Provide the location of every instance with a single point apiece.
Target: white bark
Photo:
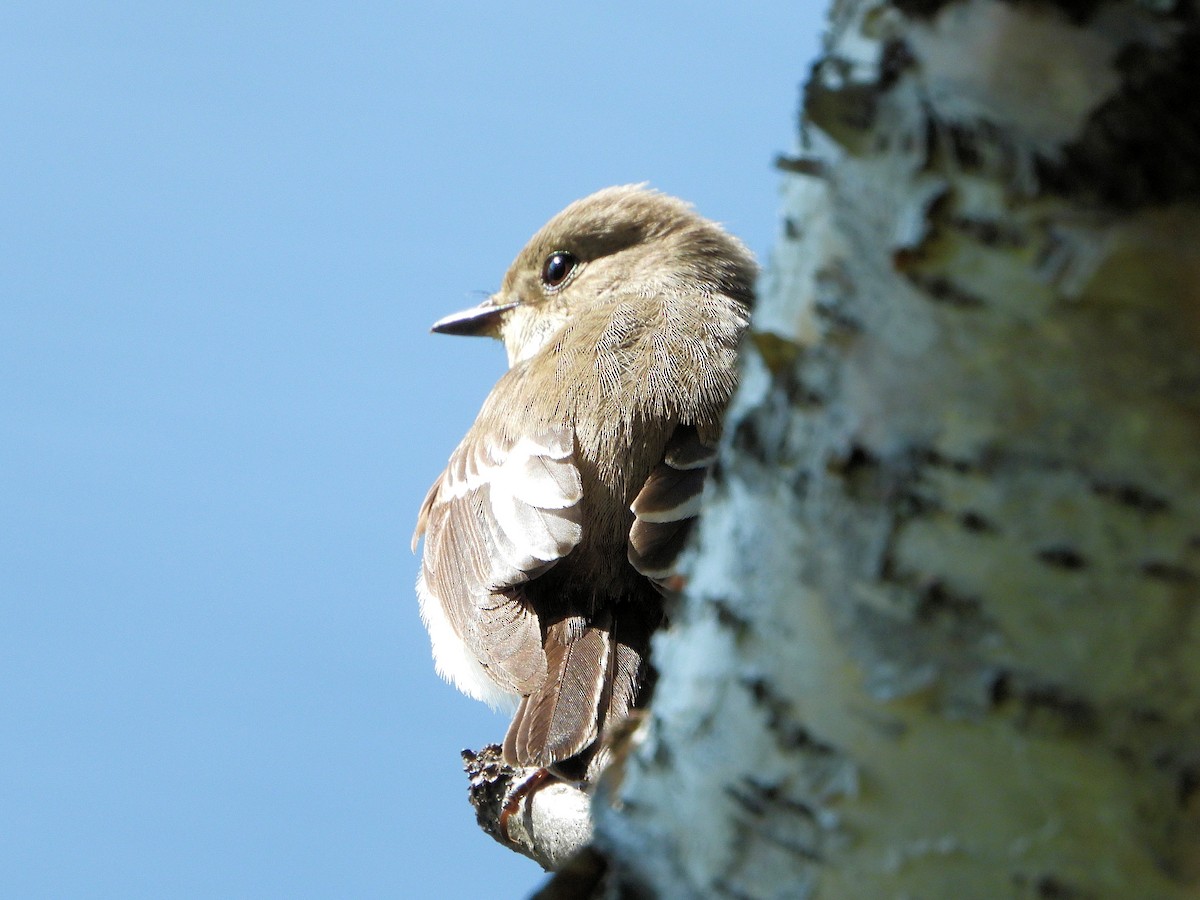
(941, 636)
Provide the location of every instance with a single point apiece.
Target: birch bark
(941, 635)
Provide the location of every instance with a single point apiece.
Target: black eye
(559, 265)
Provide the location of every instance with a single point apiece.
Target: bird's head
(616, 241)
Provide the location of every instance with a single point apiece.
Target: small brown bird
(551, 534)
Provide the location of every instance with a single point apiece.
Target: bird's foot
(522, 791)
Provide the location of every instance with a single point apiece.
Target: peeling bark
(940, 638)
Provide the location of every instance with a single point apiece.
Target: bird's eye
(559, 265)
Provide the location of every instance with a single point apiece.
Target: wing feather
(503, 512)
(667, 506)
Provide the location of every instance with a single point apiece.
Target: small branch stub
(551, 823)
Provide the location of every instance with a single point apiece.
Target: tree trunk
(941, 634)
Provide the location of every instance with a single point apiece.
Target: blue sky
(226, 229)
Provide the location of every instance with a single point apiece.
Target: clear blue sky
(224, 231)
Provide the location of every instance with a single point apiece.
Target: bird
(551, 538)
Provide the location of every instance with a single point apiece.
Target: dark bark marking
(758, 797)
(920, 9)
(748, 441)
(777, 352)
(853, 463)
(1063, 557)
(1050, 887)
(989, 233)
(1142, 146)
(1079, 12)
(802, 165)
(1130, 495)
(830, 306)
(845, 110)
(976, 523)
(781, 721)
(1187, 788)
(761, 800)
(911, 504)
(943, 291)
(1001, 689)
(1166, 571)
(894, 60)
(1073, 714)
(729, 618)
(716, 473)
(936, 600)
(930, 456)
(860, 471)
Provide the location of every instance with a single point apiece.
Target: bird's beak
(478, 321)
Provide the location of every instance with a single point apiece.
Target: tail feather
(596, 672)
(560, 719)
(626, 685)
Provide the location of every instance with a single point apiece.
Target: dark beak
(479, 321)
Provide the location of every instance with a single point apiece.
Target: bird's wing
(667, 505)
(596, 665)
(504, 511)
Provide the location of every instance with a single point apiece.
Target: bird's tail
(595, 673)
